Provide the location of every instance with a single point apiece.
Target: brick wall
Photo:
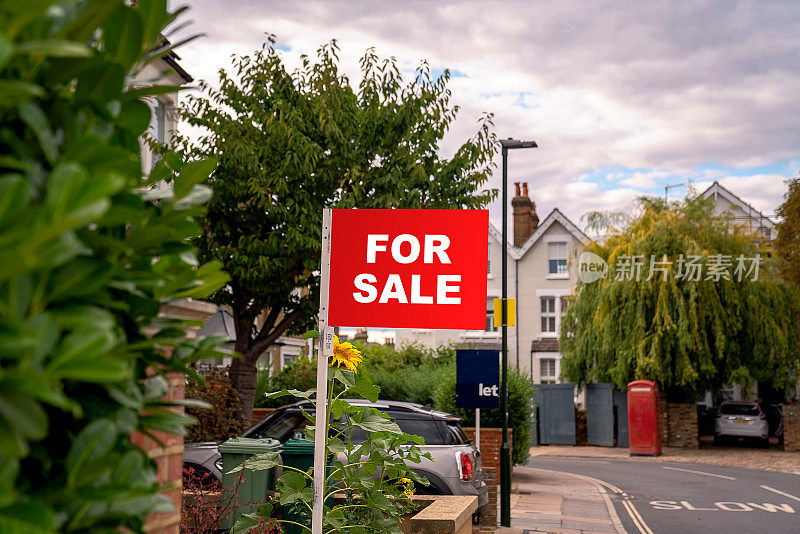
(491, 439)
(791, 427)
(170, 465)
(678, 425)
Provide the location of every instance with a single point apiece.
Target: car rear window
(282, 428)
(427, 428)
(739, 409)
(459, 437)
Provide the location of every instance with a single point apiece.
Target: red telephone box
(644, 435)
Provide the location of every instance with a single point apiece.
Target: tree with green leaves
(87, 262)
(688, 335)
(292, 143)
(787, 244)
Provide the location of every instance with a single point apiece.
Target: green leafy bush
(222, 419)
(301, 375)
(410, 374)
(86, 263)
(520, 409)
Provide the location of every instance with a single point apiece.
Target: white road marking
(779, 492)
(698, 472)
(724, 506)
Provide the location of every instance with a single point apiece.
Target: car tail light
(719, 414)
(762, 416)
(464, 466)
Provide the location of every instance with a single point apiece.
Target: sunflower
(345, 354)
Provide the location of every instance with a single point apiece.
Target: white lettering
(373, 247)
(363, 283)
(665, 505)
(393, 290)
(398, 241)
(416, 296)
(441, 244)
(767, 507)
(727, 506)
(690, 507)
(442, 289)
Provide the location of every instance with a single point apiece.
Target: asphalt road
(656, 497)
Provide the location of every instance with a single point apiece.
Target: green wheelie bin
(252, 490)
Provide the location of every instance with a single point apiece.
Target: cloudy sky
(623, 98)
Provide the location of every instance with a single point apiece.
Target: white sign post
(478, 428)
(325, 350)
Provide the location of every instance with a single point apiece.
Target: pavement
(734, 456)
(549, 501)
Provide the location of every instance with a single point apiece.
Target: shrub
(88, 260)
(301, 375)
(222, 420)
(520, 409)
(410, 374)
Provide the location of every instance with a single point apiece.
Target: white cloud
(662, 87)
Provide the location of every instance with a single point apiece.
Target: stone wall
(491, 439)
(170, 465)
(678, 424)
(791, 427)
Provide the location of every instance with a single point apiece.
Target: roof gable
(552, 217)
(717, 189)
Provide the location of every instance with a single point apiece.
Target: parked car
(454, 470)
(741, 419)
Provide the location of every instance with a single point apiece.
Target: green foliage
(690, 336)
(86, 263)
(220, 418)
(520, 409)
(787, 244)
(301, 374)
(370, 471)
(411, 374)
(291, 144)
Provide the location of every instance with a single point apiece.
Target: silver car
(455, 469)
(741, 419)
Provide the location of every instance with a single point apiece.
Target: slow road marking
(723, 506)
(699, 473)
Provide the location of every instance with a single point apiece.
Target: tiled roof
(547, 344)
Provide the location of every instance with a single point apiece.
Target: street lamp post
(505, 453)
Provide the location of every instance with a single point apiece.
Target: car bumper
(742, 430)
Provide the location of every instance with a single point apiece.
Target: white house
(743, 214)
(541, 276)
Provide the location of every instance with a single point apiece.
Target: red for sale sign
(408, 268)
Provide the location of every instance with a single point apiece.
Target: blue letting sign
(477, 379)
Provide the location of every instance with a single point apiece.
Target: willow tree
(787, 244)
(688, 333)
(292, 143)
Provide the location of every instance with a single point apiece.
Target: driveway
(663, 497)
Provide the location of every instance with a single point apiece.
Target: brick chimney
(525, 219)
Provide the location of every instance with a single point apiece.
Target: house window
(764, 231)
(548, 314)
(288, 359)
(490, 327)
(489, 258)
(158, 128)
(557, 258)
(547, 370)
(566, 300)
